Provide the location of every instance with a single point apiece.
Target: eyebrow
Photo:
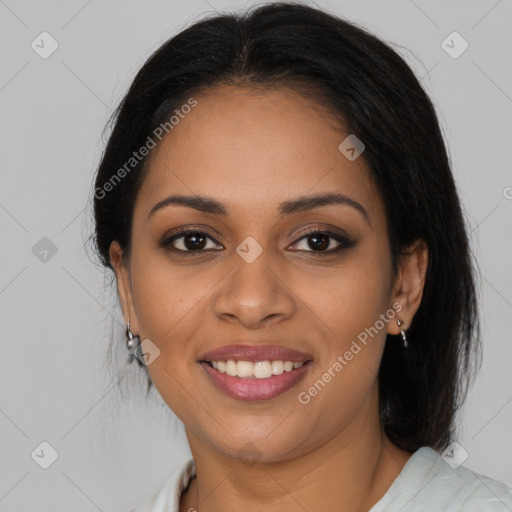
(301, 204)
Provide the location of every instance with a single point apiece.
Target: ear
(124, 285)
(409, 284)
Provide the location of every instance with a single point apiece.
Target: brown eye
(319, 241)
(323, 241)
(194, 241)
(189, 240)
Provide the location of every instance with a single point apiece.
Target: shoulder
(469, 491)
(430, 482)
(168, 495)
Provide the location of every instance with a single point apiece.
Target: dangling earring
(131, 342)
(402, 332)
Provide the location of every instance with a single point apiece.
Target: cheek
(163, 290)
(353, 303)
(350, 303)
(351, 298)
(170, 300)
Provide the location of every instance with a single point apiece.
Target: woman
(277, 204)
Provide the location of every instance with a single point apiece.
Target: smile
(252, 372)
(262, 380)
(259, 369)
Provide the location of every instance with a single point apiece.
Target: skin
(252, 151)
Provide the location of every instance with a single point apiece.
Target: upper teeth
(260, 369)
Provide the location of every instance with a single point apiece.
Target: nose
(254, 294)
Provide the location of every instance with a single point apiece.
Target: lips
(250, 388)
(255, 353)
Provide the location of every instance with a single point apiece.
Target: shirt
(427, 483)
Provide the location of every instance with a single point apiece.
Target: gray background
(57, 315)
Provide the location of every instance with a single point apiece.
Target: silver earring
(131, 342)
(402, 332)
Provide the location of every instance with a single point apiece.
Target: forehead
(253, 149)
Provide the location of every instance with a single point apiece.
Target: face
(251, 272)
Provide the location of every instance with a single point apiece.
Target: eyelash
(345, 242)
